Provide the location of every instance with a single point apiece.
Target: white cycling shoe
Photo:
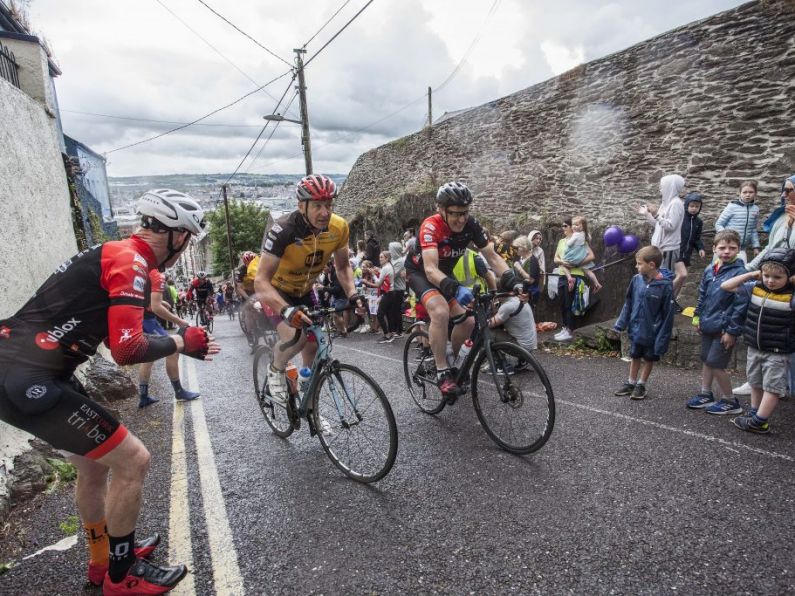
(277, 387)
(744, 389)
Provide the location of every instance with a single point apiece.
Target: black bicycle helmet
(782, 256)
(454, 193)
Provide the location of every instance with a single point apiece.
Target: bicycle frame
(323, 360)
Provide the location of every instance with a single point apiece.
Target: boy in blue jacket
(648, 315)
(719, 317)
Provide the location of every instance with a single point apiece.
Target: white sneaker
(277, 387)
(744, 389)
(564, 335)
(325, 428)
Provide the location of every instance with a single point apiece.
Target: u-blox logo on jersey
(48, 340)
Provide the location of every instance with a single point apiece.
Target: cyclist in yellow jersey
(294, 252)
(244, 285)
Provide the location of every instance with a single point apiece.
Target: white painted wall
(35, 218)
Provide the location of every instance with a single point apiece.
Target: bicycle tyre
(422, 387)
(210, 324)
(535, 429)
(276, 416)
(368, 420)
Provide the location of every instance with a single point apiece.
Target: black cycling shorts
(58, 412)
(305, 300)
(423, 289)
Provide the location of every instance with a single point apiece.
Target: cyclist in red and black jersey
(442, 240)
(96, 296)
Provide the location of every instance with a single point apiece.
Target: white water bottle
(304, 376)
(466, 348)
(449, 356)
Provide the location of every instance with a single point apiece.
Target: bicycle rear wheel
(354, 423)
(210, 324)
(419, 370)
(276, 416)
(521, 420)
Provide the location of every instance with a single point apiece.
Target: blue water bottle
(304, 376)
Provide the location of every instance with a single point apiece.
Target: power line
(230, 23)
(256, 157)
(344, 4)
(212, 47)
(471, 47)
(250, 149)
(345, 26)
(199, 119)
(158, 121)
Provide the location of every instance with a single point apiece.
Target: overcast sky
(152, 60)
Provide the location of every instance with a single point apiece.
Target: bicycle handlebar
(318, 316)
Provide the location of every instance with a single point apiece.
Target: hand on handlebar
(296, 316)
(464, 296)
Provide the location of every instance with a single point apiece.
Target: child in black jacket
(692, 226)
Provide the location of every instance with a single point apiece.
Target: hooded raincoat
(668, 221)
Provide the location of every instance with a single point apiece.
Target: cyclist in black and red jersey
(202, 290)
(442, 240)
(96, 296)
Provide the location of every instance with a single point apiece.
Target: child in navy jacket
(692, 226)
(648, 315)
(719, 317)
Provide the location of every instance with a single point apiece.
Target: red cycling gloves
(196, 341)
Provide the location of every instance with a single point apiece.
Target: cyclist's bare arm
(342, 263)
(241, 290)
(430, 262)
(159, 308)
(495, 261)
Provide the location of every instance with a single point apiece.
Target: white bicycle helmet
(171, 209)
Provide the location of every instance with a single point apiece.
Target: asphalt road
(626, 497)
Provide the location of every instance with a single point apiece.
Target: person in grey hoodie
(742, 216)
(667, 219)
(398, 290)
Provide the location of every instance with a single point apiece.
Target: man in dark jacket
(692, 226)
(372, 248)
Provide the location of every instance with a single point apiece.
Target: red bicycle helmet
(247, 257)
(316, 187)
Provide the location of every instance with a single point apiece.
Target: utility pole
(228, 232)
(299, 66)
(430, 115)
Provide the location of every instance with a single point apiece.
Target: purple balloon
(628, 244)
(613, 236)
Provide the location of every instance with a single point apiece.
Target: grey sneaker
(277, 387)
(639, 392)
(625, 389)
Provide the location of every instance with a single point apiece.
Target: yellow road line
(226, 572)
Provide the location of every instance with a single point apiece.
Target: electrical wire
(259, 136)
(345, 26)
(471, 47)
(231, 24)
(157, 121)
(331, 18)
(229, 105)
(256, 157)
(212, 47)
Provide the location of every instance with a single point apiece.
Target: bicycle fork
(340, 398)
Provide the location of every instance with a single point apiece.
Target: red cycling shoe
(145, 579)
(143, 548)
(450, 390)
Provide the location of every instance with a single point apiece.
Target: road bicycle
(204, 317)
(511, 392)
(343, 406)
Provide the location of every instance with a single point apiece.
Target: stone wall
(711, 101)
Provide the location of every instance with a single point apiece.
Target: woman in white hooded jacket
(667, 219)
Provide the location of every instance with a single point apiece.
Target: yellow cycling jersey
(302, 254)
(247, 273)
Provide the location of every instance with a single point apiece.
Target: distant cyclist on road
(294, 252)
(443, 239)
(202, 290)
(99, 295)
(244, 285)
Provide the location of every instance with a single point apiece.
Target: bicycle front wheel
(275, 415)
(355, 423)
(519, 417)
(419, 370)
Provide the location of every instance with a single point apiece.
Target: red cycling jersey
(435, 233)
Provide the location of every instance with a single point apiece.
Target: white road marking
(179, 542)
(226, 572)
(61, 545)
(689, 433)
